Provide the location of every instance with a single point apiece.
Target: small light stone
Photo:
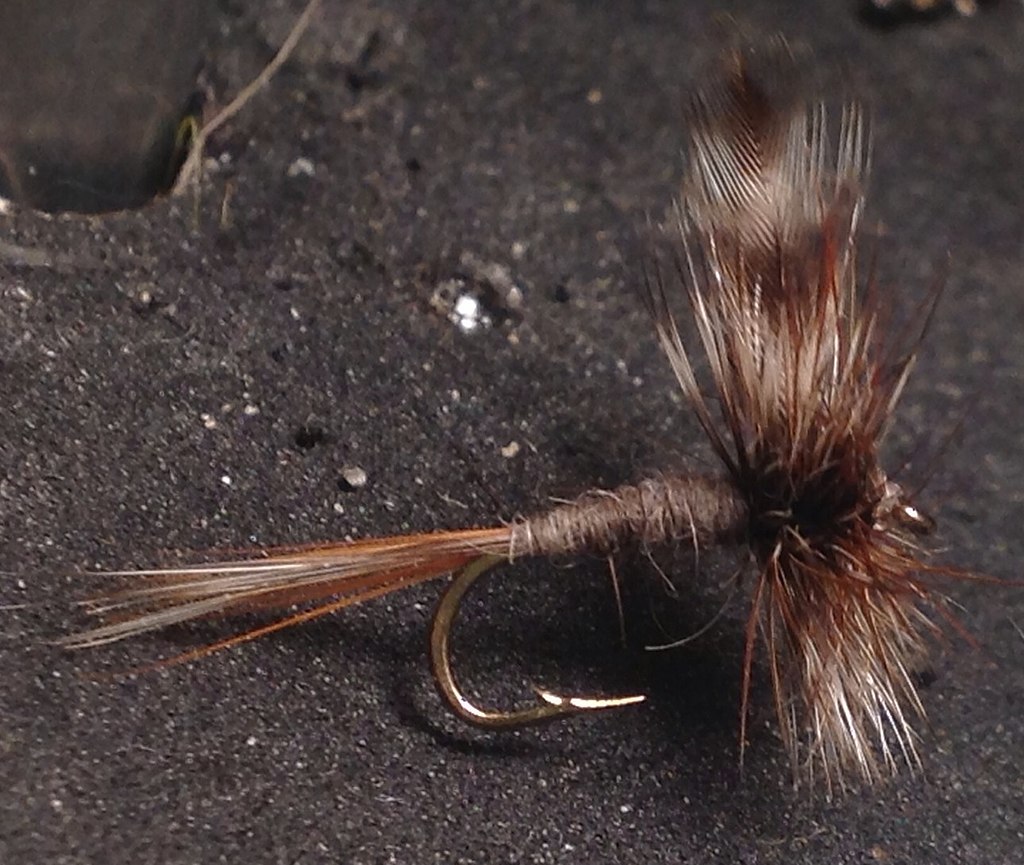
(354, 477)
(468, 314)
(302, 166)
(514, 297)
(510, 450)
(467, 306)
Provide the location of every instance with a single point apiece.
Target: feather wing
(765, 246)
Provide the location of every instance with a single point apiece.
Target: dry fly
(793, 377)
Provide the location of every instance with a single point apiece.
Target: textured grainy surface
(155, 360)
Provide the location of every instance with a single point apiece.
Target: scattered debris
(468, 314)
(1017, 628)
(190, 169)
(353, 478)
(15, 255)
(303, 167)
(510, 450)
(482, 295)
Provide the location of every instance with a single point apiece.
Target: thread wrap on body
(655, 511)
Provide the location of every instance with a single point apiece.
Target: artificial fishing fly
(801, 382)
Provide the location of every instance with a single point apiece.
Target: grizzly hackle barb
(797, 381)
(805, 386)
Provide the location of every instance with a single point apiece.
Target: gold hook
(553, 705)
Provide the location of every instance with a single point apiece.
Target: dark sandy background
(170, 383)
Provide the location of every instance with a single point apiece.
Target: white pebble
(354, 476)
(302, 166)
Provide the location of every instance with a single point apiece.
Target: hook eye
(915, 520)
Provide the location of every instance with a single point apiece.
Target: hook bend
(552, 705)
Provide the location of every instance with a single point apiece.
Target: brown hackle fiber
(796, 385)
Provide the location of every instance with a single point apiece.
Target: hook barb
(552, 705)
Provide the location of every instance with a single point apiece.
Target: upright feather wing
(804, 385)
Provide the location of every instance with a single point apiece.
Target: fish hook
(552, 705)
